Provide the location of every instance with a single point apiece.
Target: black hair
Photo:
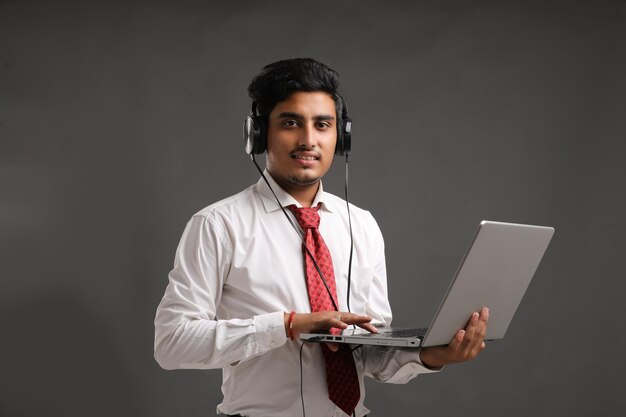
(277, 81)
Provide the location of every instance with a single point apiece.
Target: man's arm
(187, 331)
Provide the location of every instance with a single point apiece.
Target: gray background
(119, 120)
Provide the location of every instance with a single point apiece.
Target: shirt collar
(269, 202)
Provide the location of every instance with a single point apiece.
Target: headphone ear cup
(339, 144)
(254, 135)
(344, 137)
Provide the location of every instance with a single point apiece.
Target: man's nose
(308, 136)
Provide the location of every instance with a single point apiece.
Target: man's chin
(304, 181)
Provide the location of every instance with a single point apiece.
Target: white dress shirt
(238, 268)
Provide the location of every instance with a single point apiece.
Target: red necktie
(341, 375)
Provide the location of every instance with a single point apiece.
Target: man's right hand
(322, 321)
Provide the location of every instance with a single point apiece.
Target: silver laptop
(495, 272)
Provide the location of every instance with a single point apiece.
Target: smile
(305, 157)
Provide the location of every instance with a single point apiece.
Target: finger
(352, 318)
(481, 331)
(369, 327)
(470, 328)
(338, 323)
(455, 344)
(481, 326)
(484, 318)
(476, 331)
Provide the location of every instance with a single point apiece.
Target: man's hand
(466, 345)
(324, 320)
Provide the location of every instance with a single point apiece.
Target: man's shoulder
(359, 217)
(237, 203)
(338, 203)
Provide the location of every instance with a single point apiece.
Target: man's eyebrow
(323, 117)
(292, 115)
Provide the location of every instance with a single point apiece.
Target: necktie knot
(308, 217)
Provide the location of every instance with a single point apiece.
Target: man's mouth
(305, 157)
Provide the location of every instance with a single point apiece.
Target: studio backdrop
(120, 120)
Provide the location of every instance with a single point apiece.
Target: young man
(244, 283)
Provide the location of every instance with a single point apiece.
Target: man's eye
(323, 125)
(290, 123)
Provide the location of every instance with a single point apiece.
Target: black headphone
(255, 132)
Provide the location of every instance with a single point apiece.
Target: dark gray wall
(119, 120)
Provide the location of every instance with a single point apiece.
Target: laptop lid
(495, 272)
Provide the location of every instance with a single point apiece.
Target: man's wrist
(429, 360)
(289, 325)
(290, 332)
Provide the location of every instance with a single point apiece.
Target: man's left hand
(466, 345)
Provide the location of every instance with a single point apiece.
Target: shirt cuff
(270, 329)
(411, 368)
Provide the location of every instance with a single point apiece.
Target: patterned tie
(341, 375)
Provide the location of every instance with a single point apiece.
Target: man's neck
(303, 194)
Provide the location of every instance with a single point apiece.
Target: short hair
(277, 81)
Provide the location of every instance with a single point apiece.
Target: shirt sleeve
(187, 332)
(392, 365)
(386, 364)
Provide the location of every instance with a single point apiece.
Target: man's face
(301, 138)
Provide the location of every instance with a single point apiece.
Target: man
(241, 288)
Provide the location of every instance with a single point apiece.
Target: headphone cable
(301, 383)
(351, 240)
(300, 233)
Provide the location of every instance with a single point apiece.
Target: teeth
(305, 158)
